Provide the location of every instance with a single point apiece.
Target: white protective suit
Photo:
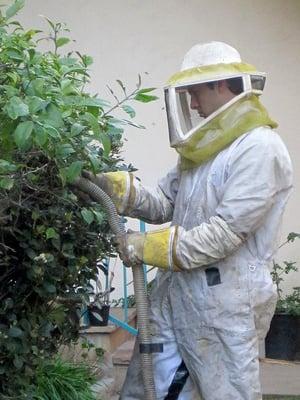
(211, 316)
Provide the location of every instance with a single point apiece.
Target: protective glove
(118, 185)
(130, 247)
(151, 248)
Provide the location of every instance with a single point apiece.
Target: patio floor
(281, 378)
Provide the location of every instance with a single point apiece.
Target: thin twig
(35, 170)
(128, 97)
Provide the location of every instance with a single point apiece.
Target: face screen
(182, 117)
(190, 107)
(187, 109)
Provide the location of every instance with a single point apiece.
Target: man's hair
(235, 85)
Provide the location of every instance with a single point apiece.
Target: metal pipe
(142, 306)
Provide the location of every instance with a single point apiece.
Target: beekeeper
(213, 297)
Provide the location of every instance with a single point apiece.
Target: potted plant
(282, 339)
(99, 305)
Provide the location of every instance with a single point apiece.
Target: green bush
(61, 380)
(286, 304)
(50, 244)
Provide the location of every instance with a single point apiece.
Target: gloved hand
(131, 247)
(151, 248)
(115, 184)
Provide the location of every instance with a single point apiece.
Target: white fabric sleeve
(259, 175)
(259, 172)
(204, 244)
(155, 205)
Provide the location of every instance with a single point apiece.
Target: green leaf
(36, 104)
(49, 22)
(87, 60)
(36, 87)
(51, 131)
(32, 32)
(14, 8)
(80, 101)
(6, 166)
(129, 110)
(101, 136)
(15, 54)
(292, 236)
(95, 163)
(64, 150)
(76, 129)
(68, 87)
(114, 131)
(62, 41)
(51, 233)
(52, 116)
(122, 85)
(49, 287)
(93, 123)
(58, 315)
(74, 170)
(10, 90)
(87, 215)
(144, 98)
(35, 215)
(40, 136)
(133, 124)
(78, 70)
(106, 142)
(7, 183)
(100, 217)
(9, 303)
(16, 108)
(18, 362)
(15, 332)
(23, 133)
(146, 90)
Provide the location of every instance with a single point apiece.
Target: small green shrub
(289, 304)
(61, 380)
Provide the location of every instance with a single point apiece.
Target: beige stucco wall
(127, 37)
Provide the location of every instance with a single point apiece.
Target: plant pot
(281, 340)
(98, 316)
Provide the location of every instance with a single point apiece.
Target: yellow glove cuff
(122, 189)
(157, 247)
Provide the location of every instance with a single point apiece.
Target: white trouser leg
(165, 365)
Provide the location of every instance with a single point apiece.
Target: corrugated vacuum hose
(146, 347)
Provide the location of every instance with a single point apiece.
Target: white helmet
(210, 54)
(204, 63)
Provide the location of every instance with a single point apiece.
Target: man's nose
(194, 102)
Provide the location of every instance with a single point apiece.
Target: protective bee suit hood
(197, 137)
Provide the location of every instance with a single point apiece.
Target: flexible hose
(142, 306)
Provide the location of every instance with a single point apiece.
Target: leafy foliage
(61, 380)
(130, 300)
(50, 244)
(290, 304)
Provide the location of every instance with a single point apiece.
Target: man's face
(204, 100)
